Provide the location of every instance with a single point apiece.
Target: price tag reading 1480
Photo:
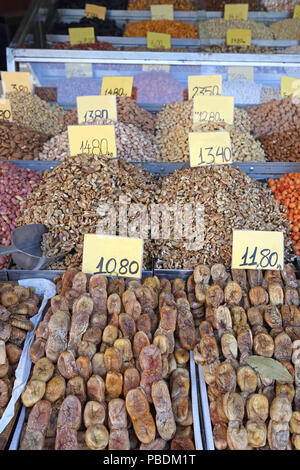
(257, 250)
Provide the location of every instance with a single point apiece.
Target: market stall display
(249, 319)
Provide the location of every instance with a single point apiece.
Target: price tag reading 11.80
(209, 148)
(204, 85)
(257, 250)
(120, 86)
(16, 81)
(93, 140)
(112, 255)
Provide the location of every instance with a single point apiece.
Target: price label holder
(290, 86)
(120, 86)
(204, 85)
(296, 12)
(236, 12)
(238, 37)
(240, 74)
(162, 12)
(156, 67)
(76, 69)
(95, 11)
(81, 36)
(112, 255)
(16, 81)
(94, 140)
(158, 40)
(209, 148)
(5, 109)
(90, 108)
(213, 109)
(257, 250)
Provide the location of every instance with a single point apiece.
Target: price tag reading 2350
(209, 148)
(112, 255)
(93, 140)
(257, 250)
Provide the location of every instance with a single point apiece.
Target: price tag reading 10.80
(257, 250)
(112, 256)
(119, 86)
(94, 140)
(209, 148)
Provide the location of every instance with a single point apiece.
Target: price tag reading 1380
(112, 255)
(257, 250)
(209, 148)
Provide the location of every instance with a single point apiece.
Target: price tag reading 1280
(257, 250)
(209, 148)
(112, 255)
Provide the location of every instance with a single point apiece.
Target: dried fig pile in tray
(249, 350)
(111, 367)
(17, 305)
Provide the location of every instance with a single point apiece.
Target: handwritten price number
(5, 114)
(111, 267)
(115, 91)
(238, 77)
(98, 147)
(157, 44)
(204, 116)
(267, 259)
(238, 41)
(20, 88)
(206, 91)
(95, 114)
(224, 152)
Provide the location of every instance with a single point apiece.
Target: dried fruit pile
(17, 305)
(286, 190)
(105, 351)
(20, 143)
(177, 29)
(249, 352)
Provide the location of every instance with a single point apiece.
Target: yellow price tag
(213, 109)
(257, 250)
(236, 12)
(93, 140)
(290, 86)
(158, 40)
(82, 36)
(5, 109)
(120, 86)
(162, 12)
(204, 85)
(16, 81)
(94, 11)
(296, 11)
(209, 148)
(238, 37)
(90, 108)
(240, 74)
(112, 255)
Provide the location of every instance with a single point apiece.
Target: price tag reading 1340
(93, 140)
(257, 250)
(112, 255)
(209, 148)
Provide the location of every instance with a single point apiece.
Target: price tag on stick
(204, 85)
(236, 12)
(120, 86)
(90, 108)
(238, 37)
(5, 109)
(209, 148)
(93, 140)
(257, 250)
(158, 40)
(82, 36)
(213, 109)
(16, 81)
(112, 255)
(162, 12)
